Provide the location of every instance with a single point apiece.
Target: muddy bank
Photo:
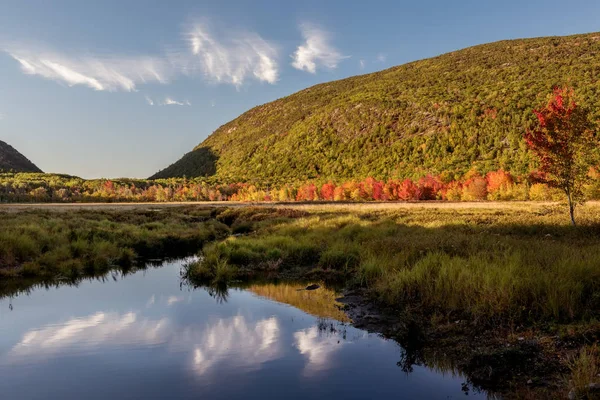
(508, 363)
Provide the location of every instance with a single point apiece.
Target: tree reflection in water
(220, 292)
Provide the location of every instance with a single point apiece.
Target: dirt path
(353, 206)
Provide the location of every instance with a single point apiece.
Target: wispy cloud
(316, 51)
(229, 57)
(105, 73)
(226, 57)
(168, 101)
(381, 57)
(361, 64)
(172, 102)
(1, 116)
(174, 299)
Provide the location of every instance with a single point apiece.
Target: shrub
(475, 189)
(453, 191)
(542, 192)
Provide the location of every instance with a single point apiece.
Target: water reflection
(219, 292)
(152, 338)
(317, 348)
(320, 303)
(88, 333)
(250, 343)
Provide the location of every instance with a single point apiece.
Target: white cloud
(172, 102)
(224, 58)
(103, 73)
(252, 343)
(248, 343)
(381, 58)
(361, 63)
(149, 101)
(91, 331)
(318, 348)
(229, 58)
(174, 299)
(316, 51)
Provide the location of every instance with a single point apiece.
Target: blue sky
(124, 88)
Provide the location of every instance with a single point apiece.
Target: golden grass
(518, 264)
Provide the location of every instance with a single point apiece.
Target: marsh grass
(43, 244)
(509, 266)
(212, 268)
(512, 265)
(584, 368)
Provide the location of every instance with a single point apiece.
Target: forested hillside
(13, 161)
(443, 116)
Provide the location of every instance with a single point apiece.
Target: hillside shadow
(198, 162)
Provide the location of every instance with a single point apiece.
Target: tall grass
(584, 368)
(47, 245)
(492, 266)
(212, 268)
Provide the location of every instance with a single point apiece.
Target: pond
(147, 336)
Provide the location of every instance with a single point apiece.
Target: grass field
(42, 244)
(512, 265)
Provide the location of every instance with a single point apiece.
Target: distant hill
(444, 115)
(13, 161)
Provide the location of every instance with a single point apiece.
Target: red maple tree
(565, 142)
(327, 191)
(407, 190)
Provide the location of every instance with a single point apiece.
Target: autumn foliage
(474, 186)
(565, 143)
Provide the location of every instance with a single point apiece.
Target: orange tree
(565, 142)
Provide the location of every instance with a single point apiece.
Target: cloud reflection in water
(235, 339)
(250, 344)
(317, 347)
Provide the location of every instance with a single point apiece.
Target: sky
(113, 88)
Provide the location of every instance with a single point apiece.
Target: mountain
(444, 115)
(13, 161)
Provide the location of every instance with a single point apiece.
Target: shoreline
(316, 205)
(522, 364)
